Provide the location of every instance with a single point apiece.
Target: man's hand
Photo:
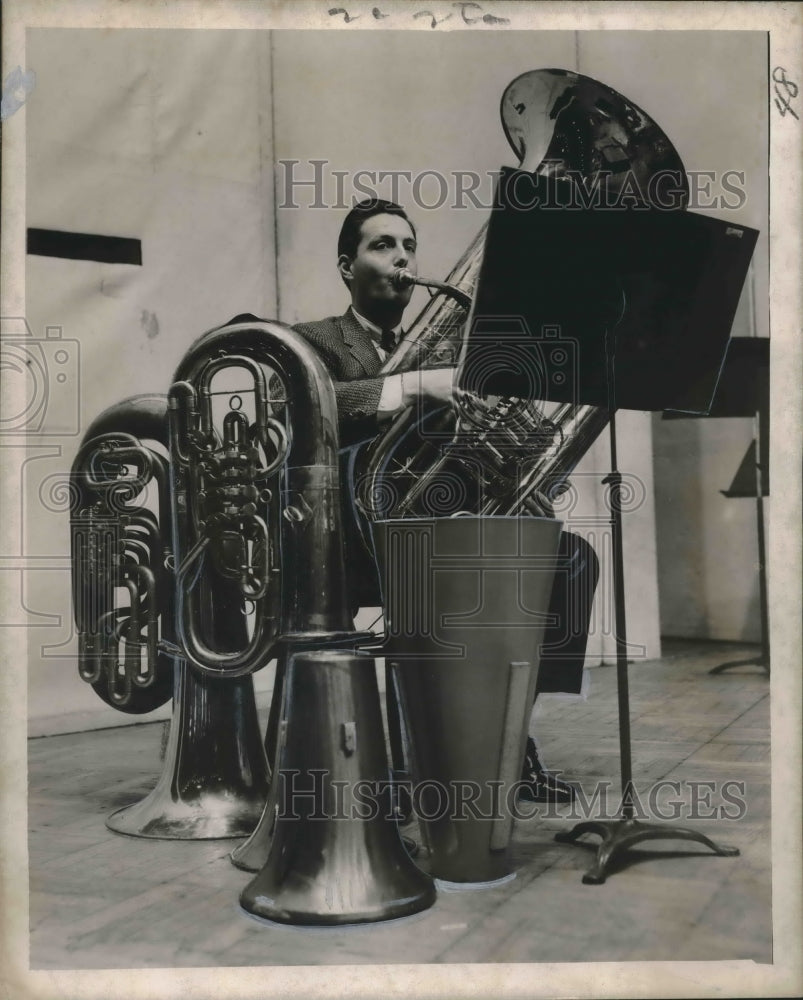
(433, 384)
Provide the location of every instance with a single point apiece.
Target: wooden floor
(99, 900)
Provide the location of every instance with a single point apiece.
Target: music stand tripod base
(755, 661)
(620, 835)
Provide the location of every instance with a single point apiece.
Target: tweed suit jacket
(350, 356)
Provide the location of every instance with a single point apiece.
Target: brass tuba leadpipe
(402, 278)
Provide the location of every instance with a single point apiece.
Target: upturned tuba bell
(506, 455)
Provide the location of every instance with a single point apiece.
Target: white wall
(161, 136)
(175, 138)
(707, 543)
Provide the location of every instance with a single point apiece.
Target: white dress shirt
(390, 401)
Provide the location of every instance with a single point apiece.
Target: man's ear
(344, 266)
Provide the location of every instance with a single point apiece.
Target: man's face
(386, 244)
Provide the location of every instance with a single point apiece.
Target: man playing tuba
(376, 241)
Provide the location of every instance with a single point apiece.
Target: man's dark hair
(349, 238)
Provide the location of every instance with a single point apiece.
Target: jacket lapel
(359, 344)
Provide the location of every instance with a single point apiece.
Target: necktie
(387, 341)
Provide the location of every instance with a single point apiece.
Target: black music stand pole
(622, 834)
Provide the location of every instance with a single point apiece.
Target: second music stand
(743, 391)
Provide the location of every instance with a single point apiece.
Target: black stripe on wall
(84, 246)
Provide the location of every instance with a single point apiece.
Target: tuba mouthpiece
(402, 278)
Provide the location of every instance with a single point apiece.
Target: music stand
(649, 299)
(743, 391)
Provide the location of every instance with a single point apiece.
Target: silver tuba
(232, 551)
(214, 778)
(507, 455)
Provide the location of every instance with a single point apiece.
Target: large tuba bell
(466, 603)
(327, 849)
(505, 455)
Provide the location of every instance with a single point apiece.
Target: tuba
(507, 455)
(214, 778)
(232, 559)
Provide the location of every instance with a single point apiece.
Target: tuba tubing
(118, 546)
(403, 278)
(214, 780)
(312, 607)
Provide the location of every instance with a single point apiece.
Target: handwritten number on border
(783, 99)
